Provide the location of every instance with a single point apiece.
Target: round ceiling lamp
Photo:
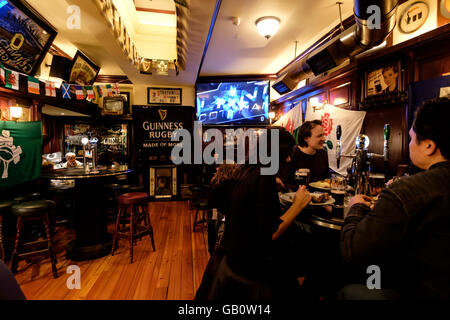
(267, 26)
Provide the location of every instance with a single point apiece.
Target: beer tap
(90, 145)
(338, 149)
(94, 143)
(387, 134)
(385, 155)
(84, 142)
(360, 164)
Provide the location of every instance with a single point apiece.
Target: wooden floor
(172, 272)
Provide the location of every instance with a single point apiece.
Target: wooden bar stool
(130, 188)
(132, 202)
(199, 201)
(28, 211)
(5, 207)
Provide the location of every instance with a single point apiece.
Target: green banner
(20, 152)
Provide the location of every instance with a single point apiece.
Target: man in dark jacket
(407, 234)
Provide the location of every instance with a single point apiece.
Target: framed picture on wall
(25, 37)
(385, 79)
(164, 96)
(113, 105)
(126, 103)
(83, 71)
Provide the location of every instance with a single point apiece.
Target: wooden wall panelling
(373, 126)
(432, 61)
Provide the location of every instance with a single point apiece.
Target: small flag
(109, 90)
(33, 85)
(116, 88)
(65, 89)
(2, 74)
(90, 92)
(50, 89)
(79, 92)
(11, 79)
(99, 90)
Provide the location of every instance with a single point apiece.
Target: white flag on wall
(351, 123)
(292, 120)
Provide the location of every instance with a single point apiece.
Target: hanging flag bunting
(79, 92)
(11, 79)
(109, 90)
(33, 85)
(99, 90)
(116, 88)
(50, 89)
(2, 74)
(90, 92)
(65, 89)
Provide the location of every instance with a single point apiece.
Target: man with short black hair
(407, 234)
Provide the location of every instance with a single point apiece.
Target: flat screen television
(233, 103)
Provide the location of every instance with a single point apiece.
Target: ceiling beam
(211, 29)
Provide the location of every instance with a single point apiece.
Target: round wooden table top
(81, 173)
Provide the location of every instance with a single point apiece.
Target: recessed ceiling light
(62, 113)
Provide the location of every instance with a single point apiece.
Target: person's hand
(392, 181)
(360, 198)
(302, 198)
(280, 184)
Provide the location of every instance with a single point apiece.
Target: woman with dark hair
(309, 153)
(390, 75)
(254, 220)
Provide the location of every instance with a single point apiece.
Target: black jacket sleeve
(370, 235)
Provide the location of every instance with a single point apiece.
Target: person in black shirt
(407, 233)
(309, 154)
(254, 220)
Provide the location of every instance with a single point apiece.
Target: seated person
(309, 153)
(72, 162)
(407, 233)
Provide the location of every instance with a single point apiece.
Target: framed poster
(384, 79)
(126, 103)
(164, 96)
(113, 105)
(83, 71)
(24, 37)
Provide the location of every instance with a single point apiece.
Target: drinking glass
(376, 183)
(338, 188)
(302, 176)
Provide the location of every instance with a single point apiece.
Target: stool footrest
(37, 243)
(34, 254)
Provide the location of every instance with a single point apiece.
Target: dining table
(325, 215)
(90, 219)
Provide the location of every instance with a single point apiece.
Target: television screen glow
(233, 102)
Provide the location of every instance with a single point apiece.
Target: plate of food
(287, 197)
(321, 199)
(321, 184)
